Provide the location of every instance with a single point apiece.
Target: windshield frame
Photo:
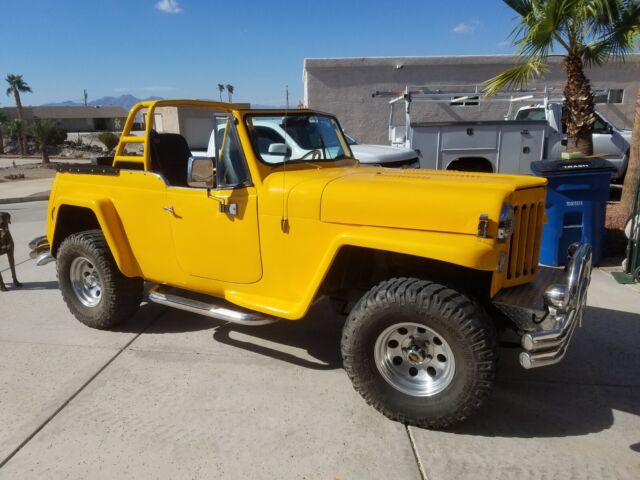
(295, 112)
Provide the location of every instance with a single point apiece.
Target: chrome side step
(209, 306)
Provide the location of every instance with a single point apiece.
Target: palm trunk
(45, 154)
(633, 169)
(578, 106)
(1, 142)
(23, 136)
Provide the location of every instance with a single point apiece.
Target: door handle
(169, 209)
(563, 142)
(230, 209)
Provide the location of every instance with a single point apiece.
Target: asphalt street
(176, 395)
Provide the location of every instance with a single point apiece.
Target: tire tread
(469, 319)
(122, 295)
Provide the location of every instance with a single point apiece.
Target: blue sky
(183, 48)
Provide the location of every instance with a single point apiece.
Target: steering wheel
(313, 154)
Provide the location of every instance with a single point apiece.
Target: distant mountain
(124, 101)
(127, 101)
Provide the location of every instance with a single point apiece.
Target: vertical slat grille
(513, 254)
(538, 237)
(529, 264)
(525, 241)
(522, 240)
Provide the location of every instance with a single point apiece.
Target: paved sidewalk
(25, 190)
(176, 395)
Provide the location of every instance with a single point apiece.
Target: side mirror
(200, 172)
(278, 149)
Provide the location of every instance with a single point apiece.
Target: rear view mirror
(278, 149)
(201, 172)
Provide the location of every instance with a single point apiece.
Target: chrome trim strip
(33, 254)
(40, 251)
(38, 241)
(157, 295)
(44, 259)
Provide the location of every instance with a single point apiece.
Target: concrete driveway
(175, 395)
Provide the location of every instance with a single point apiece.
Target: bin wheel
(636, 274)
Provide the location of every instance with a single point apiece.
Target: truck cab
(608, 140)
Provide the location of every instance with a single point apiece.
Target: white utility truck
(535, 132)
(276, 141)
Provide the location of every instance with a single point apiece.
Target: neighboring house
(75, 119)
(345, 88)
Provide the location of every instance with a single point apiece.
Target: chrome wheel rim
(85, 281)
(414, 359)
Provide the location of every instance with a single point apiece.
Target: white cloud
(168, 6)
(505, 43)
(466, 27)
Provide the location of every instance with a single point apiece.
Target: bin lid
(544, 168)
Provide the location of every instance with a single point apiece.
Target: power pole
(86, 96)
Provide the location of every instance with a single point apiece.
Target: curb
(36, 197)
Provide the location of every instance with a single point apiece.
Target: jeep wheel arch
(471, 164)
(357, 269)
(98, 215)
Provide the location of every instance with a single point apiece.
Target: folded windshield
(297, 137)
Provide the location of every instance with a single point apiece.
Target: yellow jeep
(251, 216)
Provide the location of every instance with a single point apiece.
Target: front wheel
(92, 286)
(419, 352)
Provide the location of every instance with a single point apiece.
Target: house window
(608, 95)
(465, 101)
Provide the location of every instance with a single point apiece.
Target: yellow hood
(419, 199)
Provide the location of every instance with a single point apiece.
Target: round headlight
(505, 225)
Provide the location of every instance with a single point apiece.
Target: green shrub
(109, 140)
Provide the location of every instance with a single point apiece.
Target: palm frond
(619, 38)
(601, 14)
(521, 7)
(16, 84)
(541, 25)
(516, 77)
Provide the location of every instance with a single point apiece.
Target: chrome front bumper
(41, 251)
(564, 297)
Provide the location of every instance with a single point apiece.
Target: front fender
(456, 249)
(110, 224)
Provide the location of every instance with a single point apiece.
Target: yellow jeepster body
(431, 266)
(181, 237)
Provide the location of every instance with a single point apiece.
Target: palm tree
(230, 89)
(17, 86)
(587, 32)
(632, 176)
(220, 90)
(46, 133)
(3, 119)
(14, 129)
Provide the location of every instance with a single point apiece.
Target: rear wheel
(479, 165)
(419, 352)
(92, 286)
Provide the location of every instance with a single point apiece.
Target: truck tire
(420, 353)
(92, 286)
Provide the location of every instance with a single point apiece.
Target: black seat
(170, 157)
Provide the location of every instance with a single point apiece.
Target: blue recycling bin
(576, 204)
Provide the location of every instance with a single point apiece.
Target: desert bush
(109, 140)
